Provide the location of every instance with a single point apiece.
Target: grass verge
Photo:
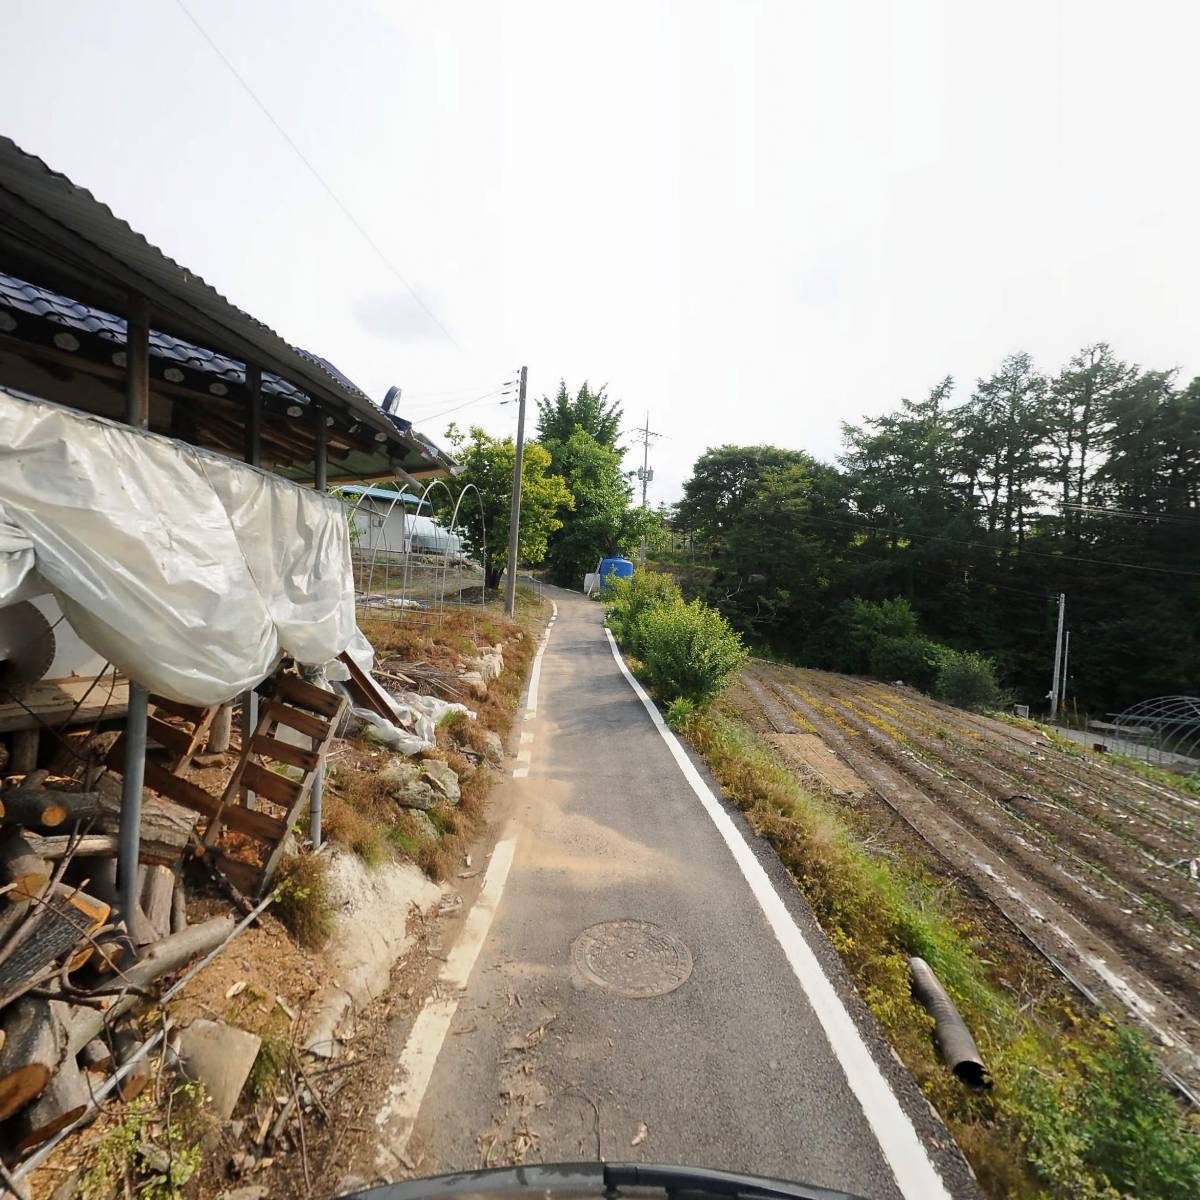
(1078, 1109)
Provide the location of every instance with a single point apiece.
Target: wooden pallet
(180, 741)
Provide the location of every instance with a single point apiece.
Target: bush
(627, 600)
(913, 659)
(862, 624)
(689, 650)
(966, 680)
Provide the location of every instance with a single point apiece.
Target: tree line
(973, 516)
(576, 496)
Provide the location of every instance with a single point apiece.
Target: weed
(302, 899)
(679, 712)
(268, 1066)
(146, 1150)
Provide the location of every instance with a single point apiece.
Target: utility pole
(1058, 650)
(1062, 696)
(644, 436)
(514, 522)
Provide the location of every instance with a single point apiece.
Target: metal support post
(129, 841)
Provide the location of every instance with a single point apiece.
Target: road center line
(414, 1068)
(915, 1174)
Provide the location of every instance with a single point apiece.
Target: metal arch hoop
(1163, 728)
(470, 487)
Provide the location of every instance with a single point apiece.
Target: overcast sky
(754, 220)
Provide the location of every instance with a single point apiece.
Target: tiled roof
(77, 212)
(18, 296)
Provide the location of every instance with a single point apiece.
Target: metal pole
(1062, 697)
(514, 522)
(314, 808)
(319, 484)
(253, 447)
(137, 412)
(645, 482)
(131, 801)
(1058, 645)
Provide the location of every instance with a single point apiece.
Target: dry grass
(302, 904)
(361, 815)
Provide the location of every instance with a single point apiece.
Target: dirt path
(1077, 860)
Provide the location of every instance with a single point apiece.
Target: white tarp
(190, 572)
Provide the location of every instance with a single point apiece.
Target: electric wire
(362, 231)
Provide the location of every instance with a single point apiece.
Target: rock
(490, 663)
(493, 746)
(424, 826)
(443, 778)
(220, 1057)
(251, 1191)
(398, 776)
(418, 795)
(474, 682)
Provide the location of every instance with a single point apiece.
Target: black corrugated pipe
(954, 1038)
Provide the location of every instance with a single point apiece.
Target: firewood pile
(74, 975)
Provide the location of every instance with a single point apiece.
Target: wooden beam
(254, 414)
(137, 361)
(320, 451)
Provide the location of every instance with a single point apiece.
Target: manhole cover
(632, 958)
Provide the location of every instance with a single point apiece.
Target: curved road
(734, 1068)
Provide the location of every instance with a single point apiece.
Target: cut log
(126, 1042)
(35, 1046)
(159, 960)
(96, 1057)
(65, 1099)
(32, 804)
(179, 917)
(59, 927)
(21, 866)
(220, 729)
(24, 750)
(166, 827)
(158, 888)
(89, 845)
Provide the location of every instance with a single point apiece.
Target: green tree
(593, 412)
(723, 480)
(601, 521)
(1004, 437)
(487, 463)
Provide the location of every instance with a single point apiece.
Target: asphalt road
(731, 1069)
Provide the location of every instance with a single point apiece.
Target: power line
(387, 262)
(504, 389)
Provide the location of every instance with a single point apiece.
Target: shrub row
(882, 638)
(687, 649)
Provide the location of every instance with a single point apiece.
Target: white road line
(414, 1068)
(535, 676)
(520, 773)
(526, 736)
(524, 756)
(915, 1174)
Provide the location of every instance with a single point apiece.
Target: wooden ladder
(179, 741)
(315, 714)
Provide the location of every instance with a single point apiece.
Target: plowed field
(1086, 859)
